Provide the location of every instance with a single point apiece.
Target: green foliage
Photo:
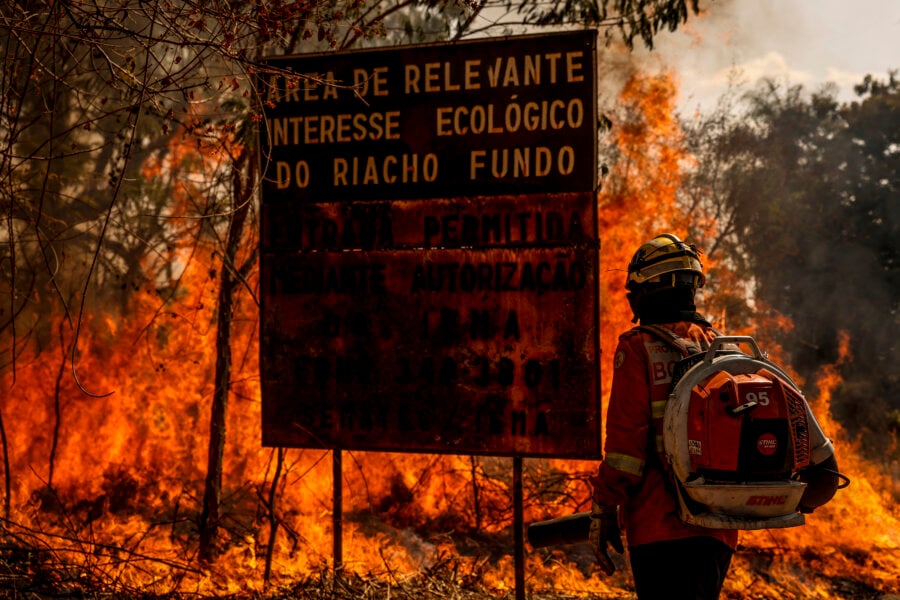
(633, 19)
(811, 190)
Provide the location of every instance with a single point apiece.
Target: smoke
(735, 44)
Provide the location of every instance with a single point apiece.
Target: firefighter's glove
(604, 533)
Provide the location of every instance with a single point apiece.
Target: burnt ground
(27, 573)
(442, 582)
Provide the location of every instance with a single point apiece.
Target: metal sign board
(500, 116)
(444, 372)
(422, 316)
(441, 326)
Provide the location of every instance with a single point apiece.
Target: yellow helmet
(663, 255)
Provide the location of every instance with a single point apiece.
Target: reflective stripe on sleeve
(660, 444)
(623, 462)
(658, 409)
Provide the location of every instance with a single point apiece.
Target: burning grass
(458, 568)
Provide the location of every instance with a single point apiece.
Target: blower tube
(561, 531)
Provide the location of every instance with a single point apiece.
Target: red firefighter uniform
(633, 473)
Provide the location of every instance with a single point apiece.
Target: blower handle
(717, 344)
(561, 531)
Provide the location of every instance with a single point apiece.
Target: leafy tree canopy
(811, 191)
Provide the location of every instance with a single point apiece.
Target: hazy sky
(804, 42)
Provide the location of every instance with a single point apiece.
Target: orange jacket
(632, 474)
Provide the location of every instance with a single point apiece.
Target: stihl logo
(766, 500)
(767, 444)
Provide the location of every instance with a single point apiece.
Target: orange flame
(113, 483)
(855, 535)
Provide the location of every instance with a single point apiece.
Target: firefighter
(669, 558)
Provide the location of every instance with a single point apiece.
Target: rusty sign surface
(503, 116)
(462, 323)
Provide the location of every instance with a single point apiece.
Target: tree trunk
(228, 288)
